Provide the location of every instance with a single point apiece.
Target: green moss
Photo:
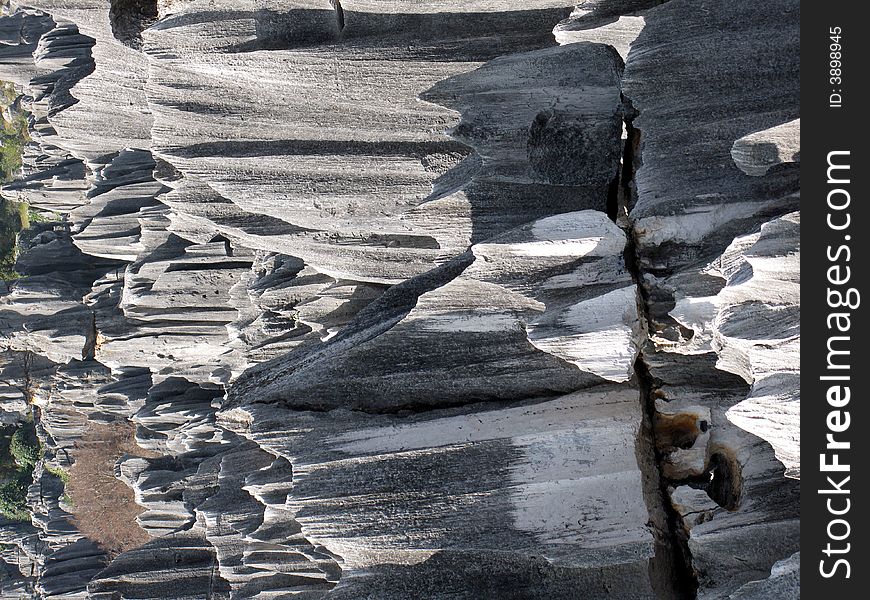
(8, 274)
(34, 216)
(58, 472)
(23, 214)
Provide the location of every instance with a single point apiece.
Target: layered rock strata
(456, 300)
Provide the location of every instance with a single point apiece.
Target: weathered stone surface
(756, 153)
(504, 468)
(445, 300)
(524, 314)
(712, 197)
(616, 23)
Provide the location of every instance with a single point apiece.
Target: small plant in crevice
(58, 472)
(41, 216)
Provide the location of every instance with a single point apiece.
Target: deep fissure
(339, 13)
(673, 559)
(674, 538)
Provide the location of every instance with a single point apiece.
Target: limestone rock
(410, 300)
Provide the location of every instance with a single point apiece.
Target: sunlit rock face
(408, 300)
(716, 235)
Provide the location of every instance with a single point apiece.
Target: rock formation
(465, 299)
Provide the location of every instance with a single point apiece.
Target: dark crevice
(631, 160)
(216, 265)
(725, 484)
(722, 481)
(129, 18)
(613, 200)
(339, 13)
(671, 570)
(447, 408)
(91, 339)
(228, 247)
(673, 559)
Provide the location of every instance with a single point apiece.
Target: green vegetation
(13, 498)
(19, 452)
(9, 94)
(40, 217)
(13, 132)
(14, 216)
(58, 472)
(24, 447)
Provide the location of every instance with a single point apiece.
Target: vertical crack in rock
(614, 195)
(671, 568)
(671, 571)
(631, 159)
(90, 347)
(710, 237)
(339, 13)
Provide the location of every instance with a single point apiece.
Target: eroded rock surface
(400, 300)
